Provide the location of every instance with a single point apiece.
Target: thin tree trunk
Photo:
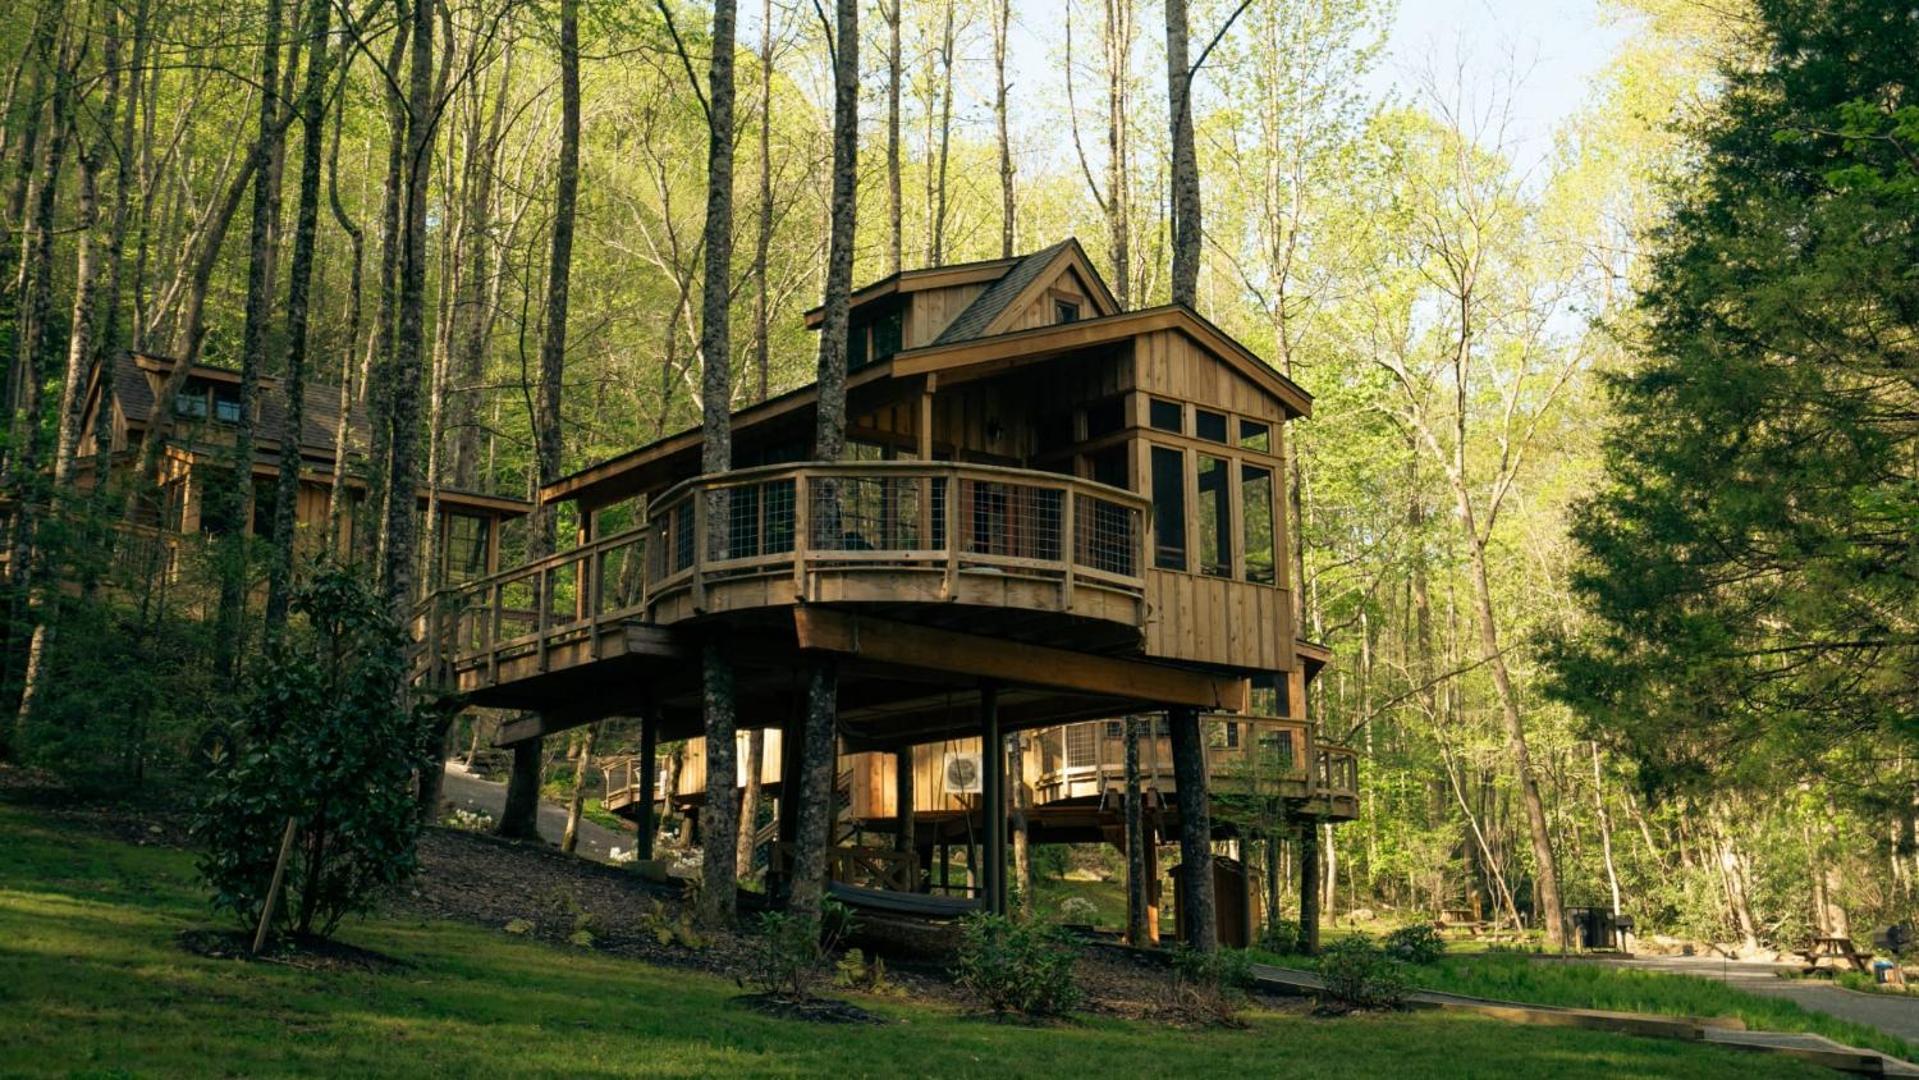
(1022, 841)
(1198, 918)
(356, 237)
(829, 442)
(1186, 214)
(582, 768)
(541, 540)
(306, 224)
(520, 816)
(1605, 830)
(763, 238)
(947, 41)
(750, 798)
(1119, 223)
(895, 209)
(1138, 889)
(719, 822)
(1002, 18)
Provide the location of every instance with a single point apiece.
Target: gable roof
(988, 305)
(319, 419)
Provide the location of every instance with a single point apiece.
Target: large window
(1166, 416)
(1215, 518)
(1256, 521)
(1209, 425)
(465, 547)
(226, 403)
(1169, 508)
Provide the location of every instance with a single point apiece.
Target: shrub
(1025, 968)
(1360, 974)
(325, 742)
(1078, 910)
(791, 951)
(1418, 943)
(1281, 936)
(1210, 986)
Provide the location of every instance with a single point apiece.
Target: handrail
(800, 519)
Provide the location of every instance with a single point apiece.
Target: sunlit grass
(92, 984)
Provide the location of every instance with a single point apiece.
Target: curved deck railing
(1250, 754)
(927, 524)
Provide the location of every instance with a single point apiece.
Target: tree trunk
(1022, 842)
(829, 442)
(1605, 830)
(1309, 887)
(312, 109)
(1002, 18)
(234, 504)
(905, 824)
(1119, 215)
(1138, 890)
(750, 798)
(895, 210)
(1198, 917)
(938, 209)
(719, 822)
(763, 238)
(541, 540)
(520, 817)
(1186, 217)
(582, 769)
(356, 237)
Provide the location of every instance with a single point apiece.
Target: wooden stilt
(649, 749)
(1309, 887)
(992, 800)
(273, 888)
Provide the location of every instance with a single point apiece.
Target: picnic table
(1838, 948)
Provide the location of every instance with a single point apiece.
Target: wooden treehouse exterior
(1050, 511)
(197, 454)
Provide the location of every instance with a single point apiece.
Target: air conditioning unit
(962, 774)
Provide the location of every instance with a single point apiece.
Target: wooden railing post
(700, 539)
(949, 585)
(544, 604)
(495, 601)
(1069, 547)
(802, 530)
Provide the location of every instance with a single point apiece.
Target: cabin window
(1215, 518)
(857, 354)
(226, 403)
(1210, 426)
(1232, 735)
(1254, 435)
(1065, 311)
(1115, 729)
(1268, 697)
(1108, 467)
(889, 330)
(1256, 521)
(466, 544)
(191, 402)
(1169, 508)
(1167, 416)
(1105, 417)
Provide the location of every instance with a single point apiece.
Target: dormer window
(191, 402)
(1065, 311)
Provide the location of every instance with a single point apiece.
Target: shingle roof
(988, 305)
(320, 419)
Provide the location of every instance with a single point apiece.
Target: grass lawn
(91, 984)
(1515, 976)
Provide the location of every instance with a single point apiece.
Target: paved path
(1896, 1016)
(463, 789)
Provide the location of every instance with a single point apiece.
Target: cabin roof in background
(319, 422)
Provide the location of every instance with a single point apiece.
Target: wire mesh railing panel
(1010, 521)
(1082, 745)
(870, 513)
(1106, 535)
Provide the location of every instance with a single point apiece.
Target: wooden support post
(273, 888)
(649, 749)
(1150, 849)
(926, 417)
(946, 868)
(1248, 891)
(992, 799)
(1199, 925)
(1309, 887)
(786, 812)
(903, 797)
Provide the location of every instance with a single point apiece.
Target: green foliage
(323, 741)
(1025, 968)
(1280, 936)
(858, 971)
(1415, 943)
(1211, 986)
(791, 951)
(1360, 974)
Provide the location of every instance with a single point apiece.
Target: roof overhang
(912, 281)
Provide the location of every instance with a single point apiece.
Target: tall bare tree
(820, 735)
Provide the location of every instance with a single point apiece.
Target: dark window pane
(1256, 518)
(1105, 417)
(191, 402)
(465, 547)
(1267, 692)
(1109, 466)
(1167, 416)
(1065, 312)
(226, 404)
(1215, 518)
(1210, 426)
(856, 354)
(1169, 509)
(1254, 435)
(887, 334)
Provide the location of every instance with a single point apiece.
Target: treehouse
(1049, 511)
(197, 455)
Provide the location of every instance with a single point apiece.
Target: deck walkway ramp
(1815, 1049)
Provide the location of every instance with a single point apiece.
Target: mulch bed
(815, 1010)
(295, 950)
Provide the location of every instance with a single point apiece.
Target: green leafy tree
(322, 742)
(1750, 563)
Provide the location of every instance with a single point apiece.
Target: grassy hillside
(93, 984)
